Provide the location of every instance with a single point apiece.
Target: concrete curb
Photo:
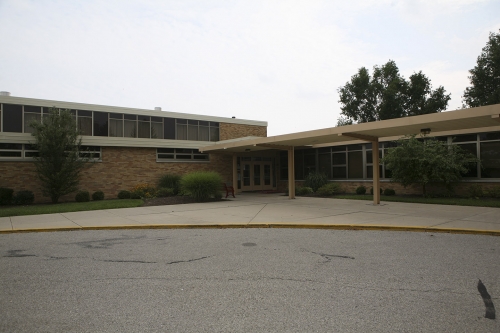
(268, 225)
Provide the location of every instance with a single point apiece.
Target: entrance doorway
(256, 174)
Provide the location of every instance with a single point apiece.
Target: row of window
(26, 151)
(16, 151)
(17, 118)
(356, 161)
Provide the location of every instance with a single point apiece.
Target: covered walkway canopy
(464, 119)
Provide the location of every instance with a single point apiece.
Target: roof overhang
(464, 119)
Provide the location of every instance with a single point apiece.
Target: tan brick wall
(120, 169)
(233, 131)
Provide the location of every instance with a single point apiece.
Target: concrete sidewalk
(251, 210)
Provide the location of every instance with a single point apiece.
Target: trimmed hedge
(24, 198)
(361, 190)
(82, 196)
(98, 195)
(6, 196)
(124, 194)
(303, 190)
(389, 191)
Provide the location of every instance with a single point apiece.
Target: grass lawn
(481, 202)
(68, 207)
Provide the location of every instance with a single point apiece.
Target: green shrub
(165, 192)
(98, 195)
(371, 191)
(303, 190)
(329, 189)
(494, 192)
(201, 185)
(218, 196)
(6, 195)
(24, 198)
(361, 190)
(82, 196)
(124, 194)
(475, 191)
(389, 191)
(315, 180)
(170, 181)
(135, 195)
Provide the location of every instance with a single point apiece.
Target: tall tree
(485, 76)
(58, 163)
(388, 95)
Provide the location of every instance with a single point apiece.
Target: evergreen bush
(361, 190)
(124, 194)
(6, 195)
(82, 196)
(201, 185)
(475, 191)
(98, 195)
(24, 198)
(315, 180)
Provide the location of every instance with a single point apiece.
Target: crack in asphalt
(329, 257)
(190, 260)
(17, 254)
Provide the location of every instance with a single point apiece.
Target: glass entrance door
(256, 175)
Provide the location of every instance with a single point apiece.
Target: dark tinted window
(130, 116)
(33, 109)
(82, 113)
(465, 138)
(12, 118)
(489, 136)
(100, 124)
(169, 128)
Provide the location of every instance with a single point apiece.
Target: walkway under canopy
(437, 123)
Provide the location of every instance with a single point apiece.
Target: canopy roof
(464, 119)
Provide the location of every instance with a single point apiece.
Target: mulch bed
(174, 200)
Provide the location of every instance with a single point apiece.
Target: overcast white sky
(277, 61)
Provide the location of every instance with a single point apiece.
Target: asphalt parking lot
(247, 280)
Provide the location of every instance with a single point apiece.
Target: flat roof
(118, 109)
(458, 120)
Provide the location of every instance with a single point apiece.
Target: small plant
(303, 190)
(389, 191)
(201, 185)
(124, 194)
(98, 195)
(6, 195)
(165, 192)
(329, 189)
(144, 191)
(315, 180)
(494, 192)
(82, 196)
(475, 191)
(24, 198)
(218, 196)
(135, 195)
(170, 181)
(361, 190)
(371, 191)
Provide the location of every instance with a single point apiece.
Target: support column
(376, 173)
(235, 173)
(291, 173)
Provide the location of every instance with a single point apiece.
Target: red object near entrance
(229, 190)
